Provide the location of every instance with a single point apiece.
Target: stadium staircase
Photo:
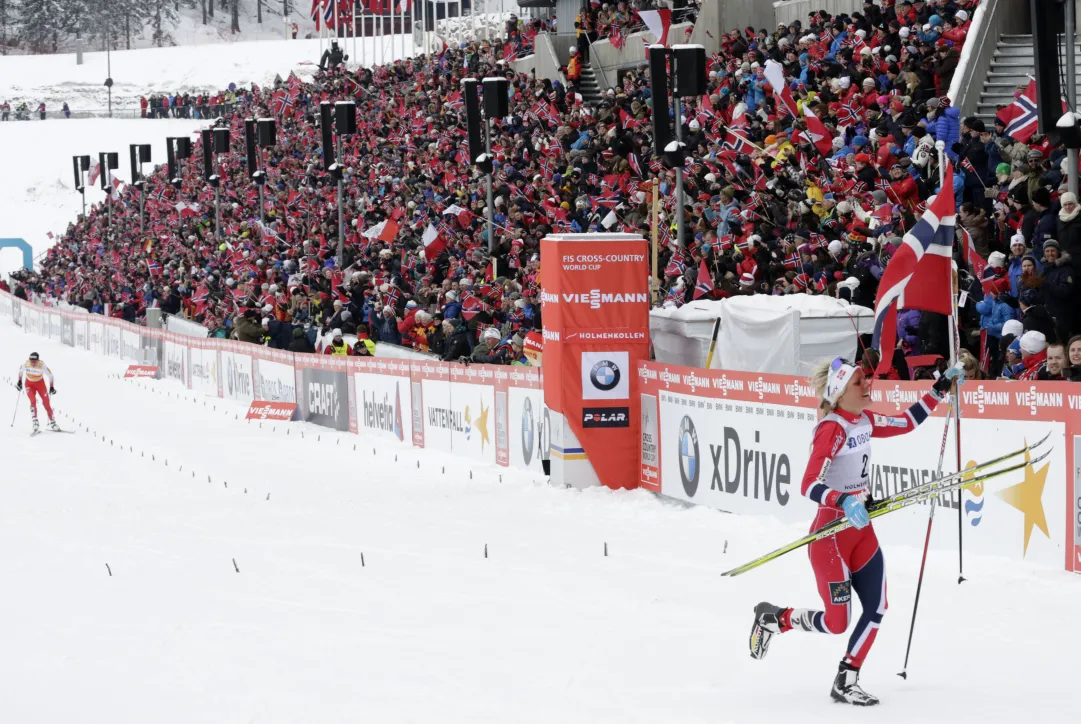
(588, 85)
(1012, 66)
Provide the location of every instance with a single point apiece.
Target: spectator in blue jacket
(995, 310)
(453, 308)
(388, 327)
(947, 128)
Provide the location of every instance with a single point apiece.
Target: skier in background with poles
(837, 479)
(33, 371)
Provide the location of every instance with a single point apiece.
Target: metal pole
(490, 209)
(1071, 91)
(341, 206)
(262, 179)
(653, 233)
(679, 174)
(142, 209)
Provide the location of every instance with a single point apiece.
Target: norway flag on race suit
(920, 274)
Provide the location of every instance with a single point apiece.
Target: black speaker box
(170, 158)
(249, 143)
(267, 130)
(78, 173)
(208, 153)
(496, 104)
(144, 153)
(221, 140)
(133, 153)
(689, 71)
(345, 118)
(183, 147)
(658, 83)
(472, 118)
(1048, 20)
(326, 119)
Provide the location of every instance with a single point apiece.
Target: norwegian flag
(817, 131)
(826, 36)
(704, 285)
(510, 52)
(658, 22)
(675, 295)
(315, 14)
(738, 142)
(847, 115)
(677, 265)
(617, 38)
(966, 164)
(977, 262)
(919, 274)
(1021, 117)
(546, 113)
(635, 165)
(792, 261)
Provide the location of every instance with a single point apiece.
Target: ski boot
(767, 622)
(53, 426)
(37, 428)
(846, 688)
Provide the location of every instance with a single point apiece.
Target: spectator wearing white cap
(488, 350)
(1033, 355)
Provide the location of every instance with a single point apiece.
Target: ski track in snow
(545, 629)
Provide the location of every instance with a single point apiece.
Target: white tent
(783, 334)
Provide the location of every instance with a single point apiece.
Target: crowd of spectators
(767, 211)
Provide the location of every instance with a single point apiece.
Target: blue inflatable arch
(28, 253)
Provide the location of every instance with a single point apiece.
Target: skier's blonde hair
(820, 375)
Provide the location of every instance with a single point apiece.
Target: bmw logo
(689, 468)
(528, 431)
(604, 375)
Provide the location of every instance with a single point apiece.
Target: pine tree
(163, 17)
(9, 33)
(42, 22)
(234, 9)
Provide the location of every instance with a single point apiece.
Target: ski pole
(16, 410)
(926, 543)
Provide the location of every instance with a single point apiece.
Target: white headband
(840, 375)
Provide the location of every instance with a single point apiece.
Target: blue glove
(855, 511)
(942, 384)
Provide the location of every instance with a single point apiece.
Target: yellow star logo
(468, 421)
(1027, 496)
(482, 425)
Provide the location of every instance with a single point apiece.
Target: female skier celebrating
(837, 479)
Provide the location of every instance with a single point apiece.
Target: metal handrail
(982, 45)
(597, 68)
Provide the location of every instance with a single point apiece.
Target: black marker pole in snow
(926, 543)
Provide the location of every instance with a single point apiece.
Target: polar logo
(323, 399)
(689, 464)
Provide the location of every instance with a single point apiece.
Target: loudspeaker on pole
(658, 82)
(345, 118)
(249, 143)
(472, 117)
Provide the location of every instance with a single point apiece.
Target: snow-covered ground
(37, 191)
(55, 79)
(166, 489)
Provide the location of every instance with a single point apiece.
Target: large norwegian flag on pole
(1020, 117)
(775, 76)
(920, 274)
(658, 22)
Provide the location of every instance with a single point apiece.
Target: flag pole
(955, 398)
(653, 227)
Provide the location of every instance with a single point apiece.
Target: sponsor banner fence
(732, 441)
(740, 442)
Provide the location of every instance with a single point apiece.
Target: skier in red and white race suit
(851, 560)
(34, 372)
